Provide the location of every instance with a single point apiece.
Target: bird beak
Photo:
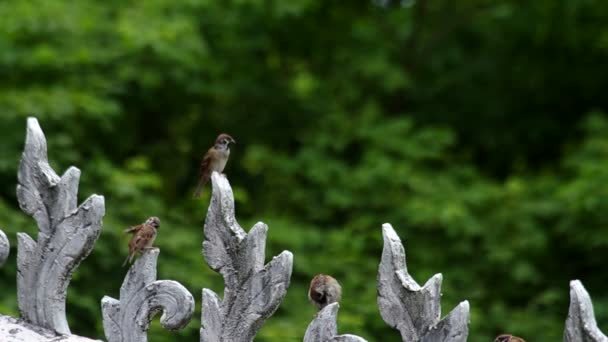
(233, 141)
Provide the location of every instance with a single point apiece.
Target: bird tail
(128, 259)
(199, 187)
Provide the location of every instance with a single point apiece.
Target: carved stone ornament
(413, 310)
(324, 327)
(253, 291)
(66, 233)
(141, 297)
(580, 324)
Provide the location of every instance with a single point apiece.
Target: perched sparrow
(214, 160)
(143, 237)
(324, 290)
(508, 338)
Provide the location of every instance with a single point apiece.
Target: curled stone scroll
(141, 297)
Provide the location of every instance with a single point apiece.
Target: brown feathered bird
(214, 160)
(143, 237)
(508, 338)
(324, 290)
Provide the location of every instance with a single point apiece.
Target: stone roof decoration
(5, 248)
(580, 324)
(324, 327)
(66, 233)
(141, 297)
(413, 310)
(253, 291)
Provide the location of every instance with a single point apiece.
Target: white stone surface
(253, 291)
(14, 330)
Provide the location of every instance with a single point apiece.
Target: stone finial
(66, 233)
(580, 324)
(413, 310)
(324, 327)
(253, 291)
(141, 297)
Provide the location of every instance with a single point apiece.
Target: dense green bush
(477, 128)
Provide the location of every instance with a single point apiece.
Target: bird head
(154, 222)
(508, 338)
(224, 139)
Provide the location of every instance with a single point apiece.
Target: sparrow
(324, 290)
(214, 160)
(143, 237)
(508, 338)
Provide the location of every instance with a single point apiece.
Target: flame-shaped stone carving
(411, 309)
(66, 233)
(580, 324)
(253, 291)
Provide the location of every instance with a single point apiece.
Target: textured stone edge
(5, 248)
(409, 308)
(324, 327)
(66, 233)
(580, 324)
(141, 297)
(253, 291)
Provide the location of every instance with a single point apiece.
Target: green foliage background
(477, 128)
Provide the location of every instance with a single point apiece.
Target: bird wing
(133, 229)
(204, 171)
(141, 238)
(205, 168)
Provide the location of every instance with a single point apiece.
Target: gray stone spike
(324, 327)
(580, 324)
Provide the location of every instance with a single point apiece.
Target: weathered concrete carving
(66, 233)
(580, 324)
(413, 310)
(141, 297)
(5, 247)
(324, 327)
(253, 291)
